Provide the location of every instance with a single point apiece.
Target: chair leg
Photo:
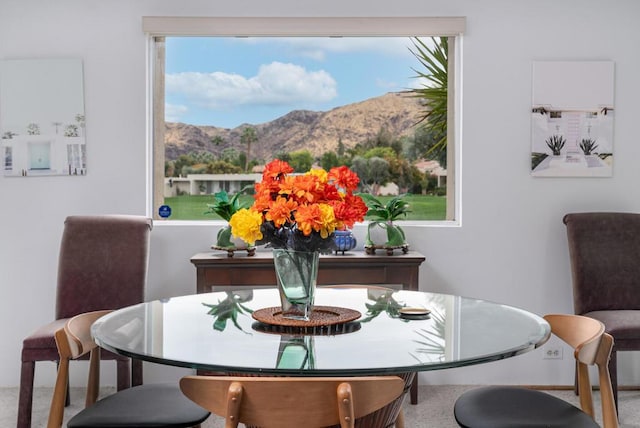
(123, 374)
(25, 400)
(67, 398)
(400, 420)
(613, 373)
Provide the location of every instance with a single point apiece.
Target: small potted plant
(226, 207)
(382, 232)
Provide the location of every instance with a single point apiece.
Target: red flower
(344, 178)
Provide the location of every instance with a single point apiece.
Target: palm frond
(434, 93)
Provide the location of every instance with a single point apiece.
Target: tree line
(377, 161)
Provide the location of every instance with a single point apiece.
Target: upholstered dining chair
(102, 264)
(513, 407)
(604, 253)
(291, 402)
(157, 405)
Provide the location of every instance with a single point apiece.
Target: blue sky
(225, 82)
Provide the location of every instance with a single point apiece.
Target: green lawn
(194, 207)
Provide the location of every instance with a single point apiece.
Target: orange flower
(267, 186)
(308, 218)
(281, 211)
(305, 188)
(317, 218)
(349, 211)
(276, 169)
(262, 201)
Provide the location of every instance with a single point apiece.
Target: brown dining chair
(289, 402)
(513, 407)
(604, 252)
(102, 264)
(157, 405)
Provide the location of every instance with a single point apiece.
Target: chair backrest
(592, 346)
(102, 263)
(73, 341)
(604, 250)
(291, 401)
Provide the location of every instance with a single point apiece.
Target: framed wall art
(42, 120)
(572, 119)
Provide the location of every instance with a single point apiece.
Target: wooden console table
(354, 267)
(216, 269)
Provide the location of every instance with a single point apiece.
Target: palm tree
(248, 136)
(434, 91)
(217, 140)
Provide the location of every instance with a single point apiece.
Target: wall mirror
(42, 120)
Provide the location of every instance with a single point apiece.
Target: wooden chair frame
(137, 406)
(73, 344)
(594, 350)
(514, 407)
(288, 402)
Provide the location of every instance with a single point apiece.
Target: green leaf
(226, 207)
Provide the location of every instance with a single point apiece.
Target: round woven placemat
(312, 330)
(320, 316)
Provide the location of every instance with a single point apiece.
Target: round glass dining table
(217, 332)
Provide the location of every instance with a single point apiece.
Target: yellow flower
(245, 224)
(322, 175)
(328, 220)
(316, 217)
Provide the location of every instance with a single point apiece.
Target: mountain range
(315, 131)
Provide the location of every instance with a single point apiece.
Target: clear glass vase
(296, 273)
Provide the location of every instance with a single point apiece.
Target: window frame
(157, 28)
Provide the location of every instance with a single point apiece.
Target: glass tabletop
(217, 332)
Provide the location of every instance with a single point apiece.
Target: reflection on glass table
(296, 352)
(229, 308)
(459, 331)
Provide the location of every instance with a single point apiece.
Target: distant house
(433, 168)
(208, 184)
(389, 189)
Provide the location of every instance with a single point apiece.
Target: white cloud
(420, 82)
(317, 47)
(275, 84)
(174, 112)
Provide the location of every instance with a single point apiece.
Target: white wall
(511, 246)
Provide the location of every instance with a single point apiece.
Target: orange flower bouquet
(300, 212)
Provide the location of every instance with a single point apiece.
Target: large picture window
(377, 95)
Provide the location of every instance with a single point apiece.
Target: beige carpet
(435, 407)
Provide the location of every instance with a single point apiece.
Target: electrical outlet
(552, 354)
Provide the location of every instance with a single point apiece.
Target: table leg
(414, 390)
